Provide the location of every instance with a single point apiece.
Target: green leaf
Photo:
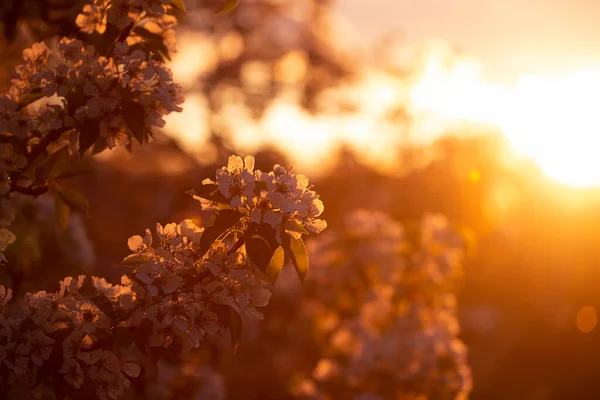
(235, 328)
(73, 198)
(89, 132)
(178, 5)
(222, 312)
(55, 360)
(209, 192)
(296, 252)
(158, 353)
(259, 251)
(163, 53)
(134, 260)
(39, 174)
(124, 33)
(100, 145)
(104, 304)
(62, 212)
(228, 317)
(221, 221)
(228, 6)
(74, 173)
(135, 117)
(269, 234)
(153, 42)
(123, 337)
(296, 227)
(57, 162)
(30, 97)
(104, 43)
(275, 265)
(266, 231)
(141, 335)
(147, 35)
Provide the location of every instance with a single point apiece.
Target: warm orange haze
(533, 70)
(299, 199)
(549, 118)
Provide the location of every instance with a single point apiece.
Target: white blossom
(401, 319)
(236, 180)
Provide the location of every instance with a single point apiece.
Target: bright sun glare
(552, 119)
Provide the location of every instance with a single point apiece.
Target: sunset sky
(509, 37)
(521, 67)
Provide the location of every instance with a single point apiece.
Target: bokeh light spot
(587, 319)
(474, 175)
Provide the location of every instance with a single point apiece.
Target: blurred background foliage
(532, 243)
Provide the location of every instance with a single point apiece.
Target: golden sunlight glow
(196, 54)
(190, 125)
(474, 175)
(553, 119)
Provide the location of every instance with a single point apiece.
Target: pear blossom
(89, 317)
(74, 343)
(70, 285)
(286, 189)
(280, 198)
(236, 285)
(5, 295)
(37, 347)
(38, 53)
(236, 180)
(88, 83)
(172, 294)
(44, 309)
(57, 81)
(311, 208)
(138, 244)
(401, 320)
(109, 290)
(264, 212)
(182, 316)
(106, 369)
(92, 19)
(72, 372)
(174, 283)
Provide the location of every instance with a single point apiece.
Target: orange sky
(509, 37)
(530, 71)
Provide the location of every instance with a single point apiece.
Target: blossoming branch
(185, 282)
(105, 89)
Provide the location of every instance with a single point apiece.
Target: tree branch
(28, 190)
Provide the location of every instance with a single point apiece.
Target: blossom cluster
(91, 88)
(152, 295)
(60, 330)
(280, 198)
(93, 83)
(184, 283)
(384, 304)
(171, 294)
(121, 13)
(103, 90)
